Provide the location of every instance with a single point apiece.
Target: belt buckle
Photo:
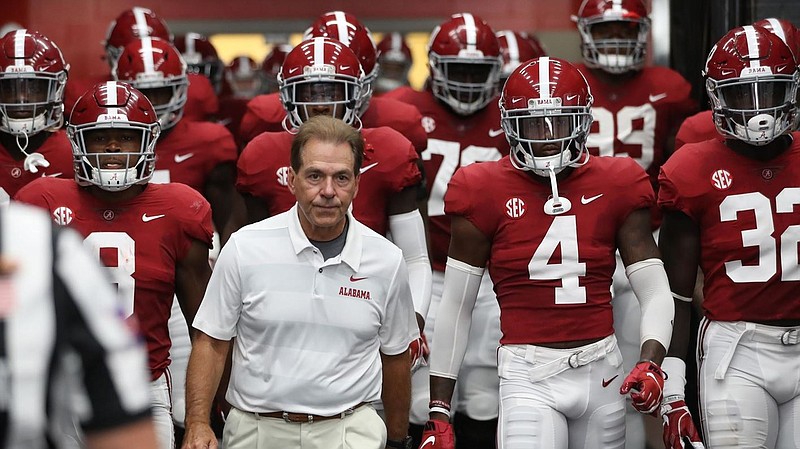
(287, 418)
(789, 337)
(573, 359)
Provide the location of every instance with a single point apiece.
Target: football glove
(438, 435)
(679, 429)
(646, 385)
(419, 352)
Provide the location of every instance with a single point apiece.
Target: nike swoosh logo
(585, 200)
(355, 279)
(495, 132)
(606, 382)
(430, 440)
(145, 218)
(654, 98)
(52, 175)
(364, 169)
(182, 157)
(571, 97)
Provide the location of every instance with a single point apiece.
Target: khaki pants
(363, 429)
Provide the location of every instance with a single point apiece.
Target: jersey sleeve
(195, 221)
(90, 321)
(33, 193)
(251, 168)
(634, 185)
(463, 200)
(264, 114)
(221, 143)
(404, 170)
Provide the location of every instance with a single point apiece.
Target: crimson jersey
(637, 118)
(265, 113)
(390, 165)
(697, 128)
(189, 151)
(749, 227)
(201, 100)
(231, 111)
(552, 274)
(139, 240)
(56, 149)
(453, 141)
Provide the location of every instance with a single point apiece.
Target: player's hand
(646, 385)
(679, 430)
(438, 435)
(419, 352)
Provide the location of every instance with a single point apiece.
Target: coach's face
(325, 186)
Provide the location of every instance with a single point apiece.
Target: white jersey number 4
(563, 233)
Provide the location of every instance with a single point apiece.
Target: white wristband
(442, 410)
(675, 384)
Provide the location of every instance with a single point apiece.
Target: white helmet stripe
(111, 96)
(471, 31)
(616, 5)
(752, 46)
(777, 29)
(147, 55)
(544, 77)
(19, 47)
(397, 42)
(341, 28)
(319, 51)
(513, 47)
(188, 42)
(141, 21)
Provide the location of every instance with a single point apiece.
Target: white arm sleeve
(454, 317)
(675, 384)
(408, 233)
(650, 285)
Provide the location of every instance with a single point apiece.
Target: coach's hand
(646, 385)
(438, 435)
(199, 436)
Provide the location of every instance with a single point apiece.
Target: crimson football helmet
(243, 77)
(347, 29)
(320, 73)
(33, 75)
(201, 57)
(155, 67)
(132, 24)
(752, 81)
(785, 30)
(515, 48)
(613, 34)
(271, 66)
(464, 61)
(546, 101)
(395, 59)
(116, 105)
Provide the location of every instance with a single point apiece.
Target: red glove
(438, 435)
(646, 382)
(419, 352)
(678, 425)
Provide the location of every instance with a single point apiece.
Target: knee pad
(473, 434)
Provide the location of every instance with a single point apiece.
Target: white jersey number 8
(122, 274)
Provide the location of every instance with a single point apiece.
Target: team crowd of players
(544, 276)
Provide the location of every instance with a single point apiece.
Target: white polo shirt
(309, 332)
